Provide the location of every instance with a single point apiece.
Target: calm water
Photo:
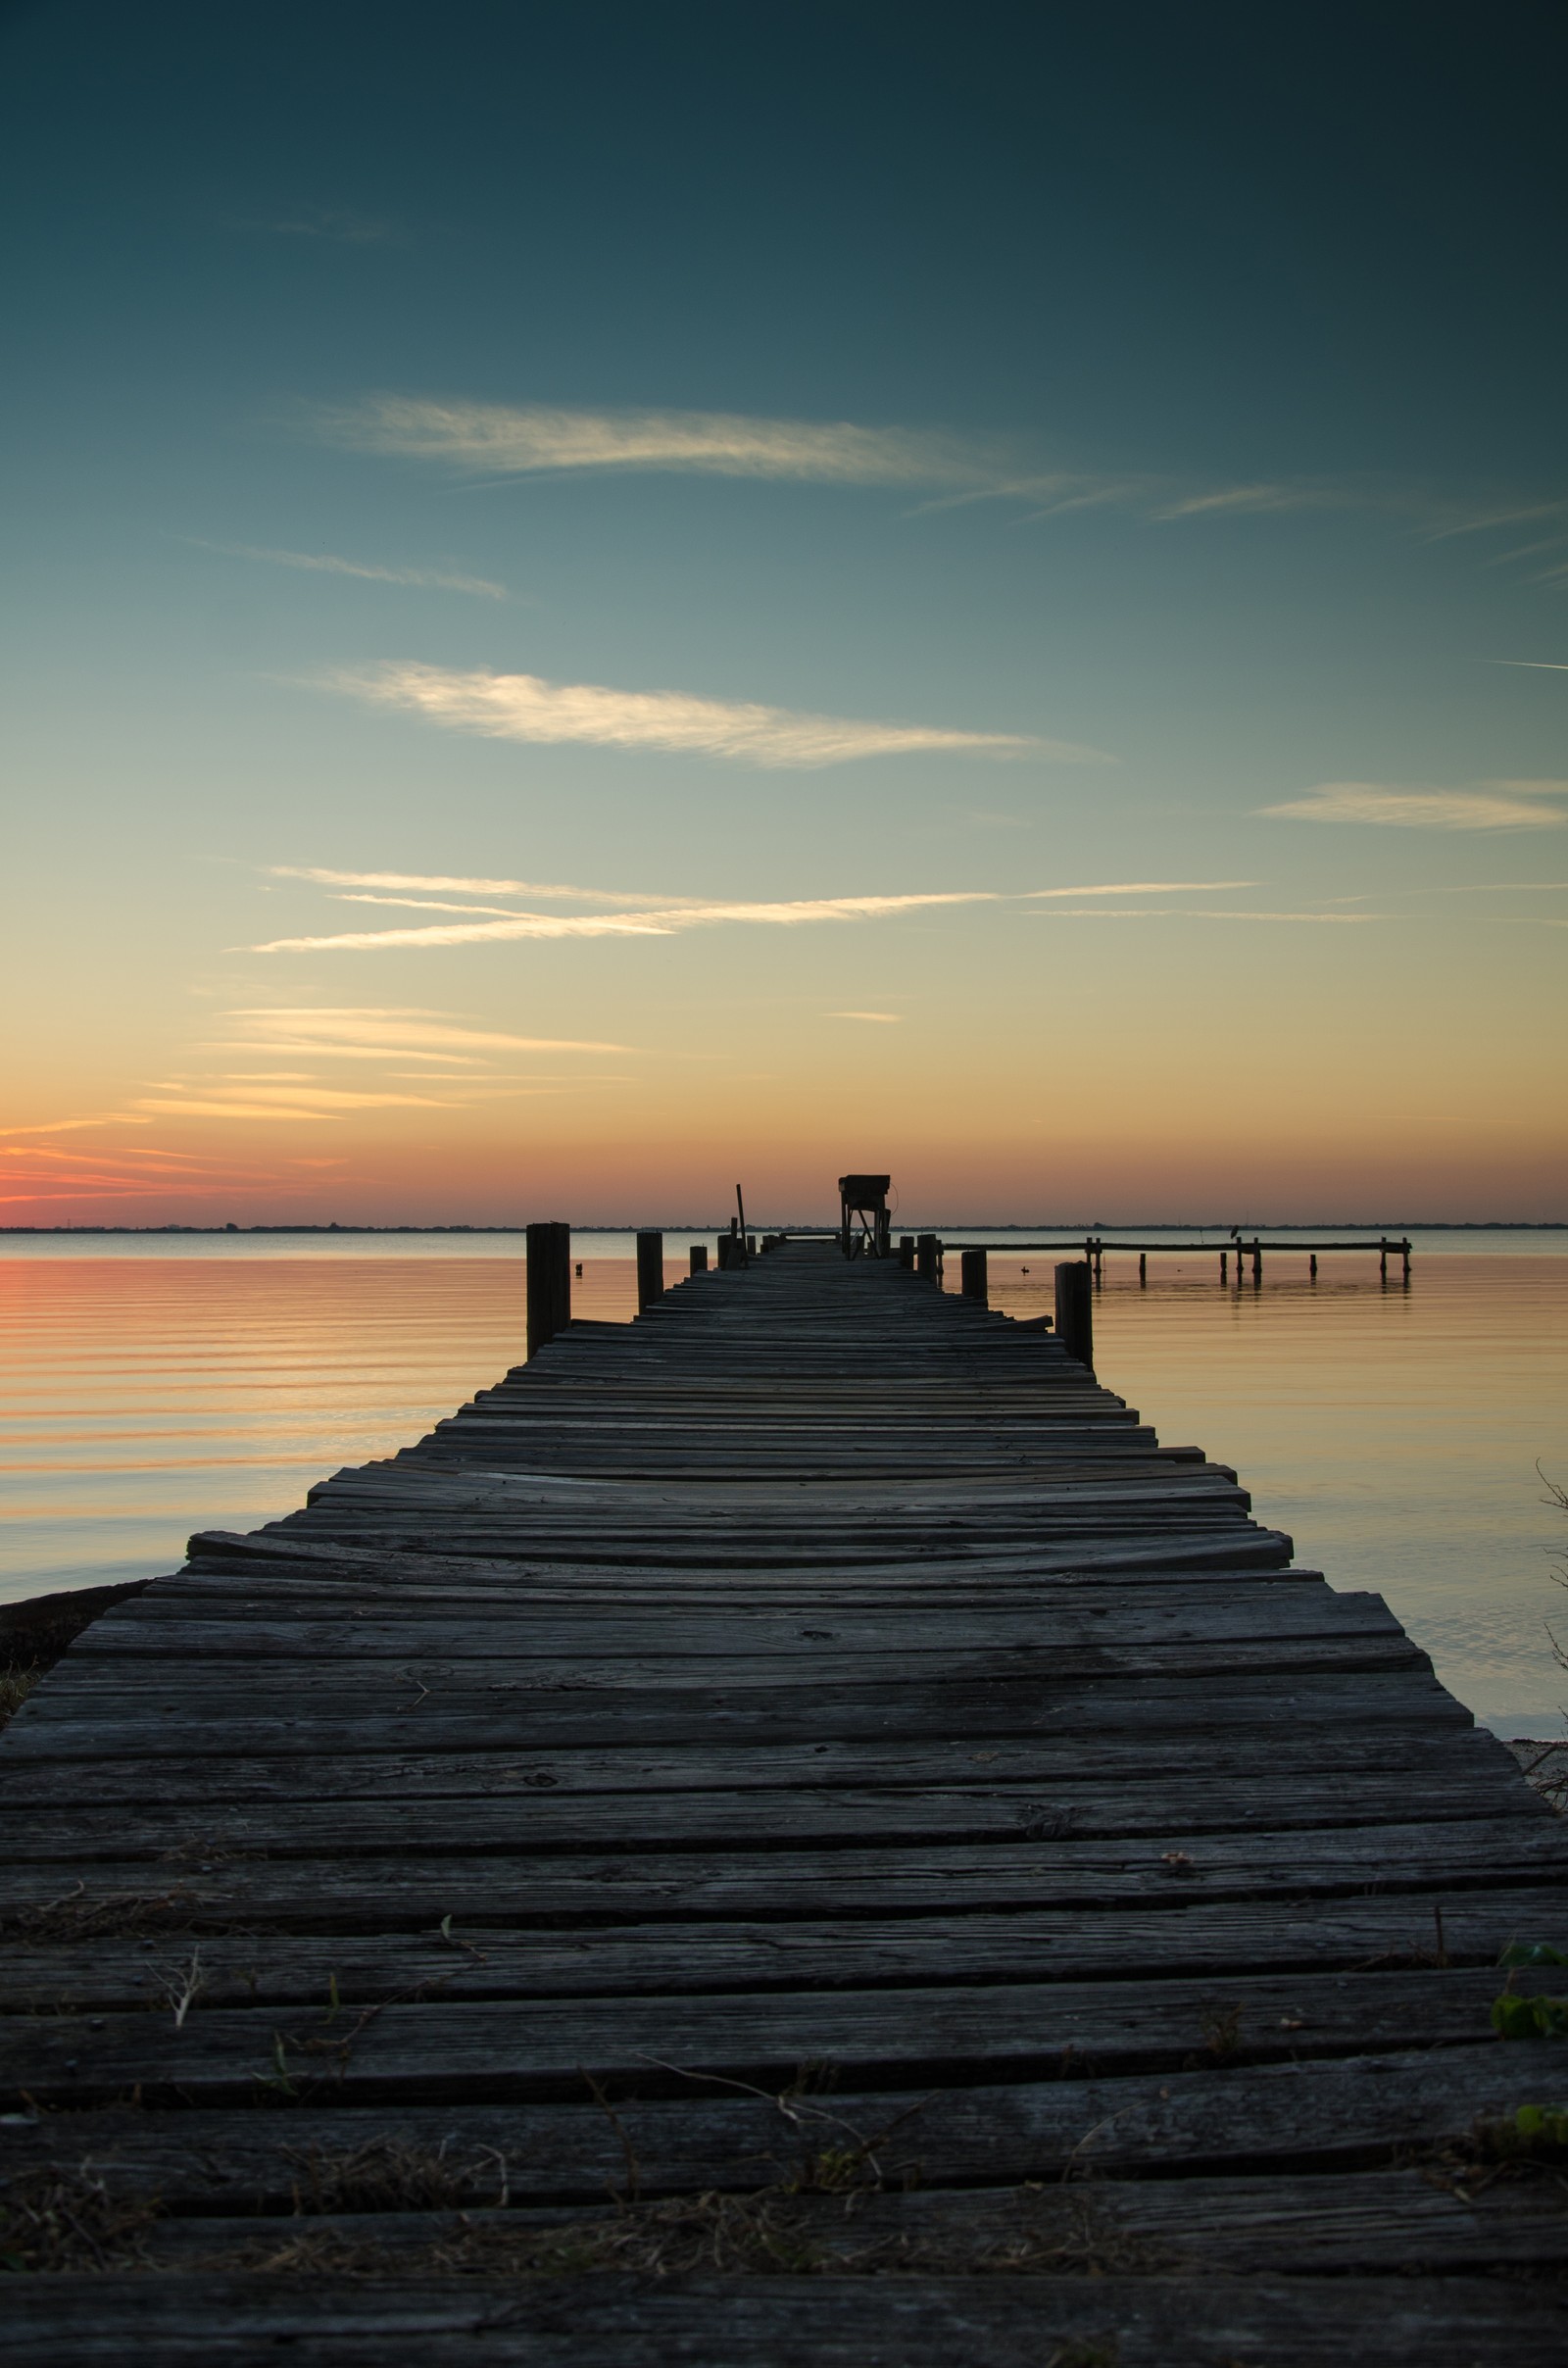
(159, 1385)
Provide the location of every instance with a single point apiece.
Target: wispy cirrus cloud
(1488, 806)
(887, 1019)
(327, 563)
(438, 882)
(526, 706)
(1144, 888)
(530, 439)
(659, 922)
(383, 1031)
(518, 441)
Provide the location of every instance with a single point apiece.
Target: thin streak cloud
(1147, 888)
(1489, 806)
(526, 706)
(435, 882)
(326, 562)
(497, 439)
(661, 924)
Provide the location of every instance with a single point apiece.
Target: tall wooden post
(1257, 1263)
(547, 1250)
(560, 1280)
(972, 1266)
(1223, 1265)
(1143, 1269)
(1311, 1267)
(650, 1269)
(1405, 1249)
(1075, 1322)
(699, 1258)
(906, 1252)
(1382, 1259)
(925, 1256)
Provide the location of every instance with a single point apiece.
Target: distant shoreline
(946, 1224)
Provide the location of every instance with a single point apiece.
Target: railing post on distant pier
(650, 1269)
(926, 1255)
(972, 1267)
(547, 1250)
(699, 1258)
(1075, 1321)
(906, 1252)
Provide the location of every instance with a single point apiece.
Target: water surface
(153, 1385)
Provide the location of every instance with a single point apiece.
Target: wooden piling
(926, 1256)
(547, 1248)
(1143, 1268)
(907, 1250)
(972, 1267)
(1257, 1263)
(1224, 1265)
(1311, 1266)
(650, 1269)
(699, 1258)
(1075, 1323)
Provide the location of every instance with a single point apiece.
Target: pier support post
(1143, 1268)
(1382, 1259)
(926, 1256)
(1075, 1322)
(906, 1252)
(699, 1258)
(1257, 1263)
(650, 1269)
(547, 1250)
(1404, 1248)
(972, 1266)
(1311, 1267)
(1224, 1264)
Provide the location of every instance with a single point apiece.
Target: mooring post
(1257, 1263)
(560, 1280)
(1224, 1265)
(906, 1252)
(543, 1250)
(699, 1258)
(972, 1267)
(925, 1256)
(650, 1269)
(1075, 1322)
(1143, 1269)
(1311, 1267)
(1405, 1250)
(1382, 1259)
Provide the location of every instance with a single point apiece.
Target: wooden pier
(790, 1830)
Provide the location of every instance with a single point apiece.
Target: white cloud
(526, 706)
(668, 922)
(436, 882)
(1146, 888)
(1489, 805)
(497, 440)
(887, 1018)
(1536, 666)
(1191, 913)
(376, 1030)
(326, 563)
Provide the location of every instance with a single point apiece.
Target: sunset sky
(600, 600)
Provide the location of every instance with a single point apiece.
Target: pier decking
(802, 1800)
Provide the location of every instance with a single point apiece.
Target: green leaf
(1532, 1952)
(1530, 2017)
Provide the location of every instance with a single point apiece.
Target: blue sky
(713, 483)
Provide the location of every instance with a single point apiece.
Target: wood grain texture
(815, 1746)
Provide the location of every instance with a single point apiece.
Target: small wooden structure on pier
(804, 1791)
